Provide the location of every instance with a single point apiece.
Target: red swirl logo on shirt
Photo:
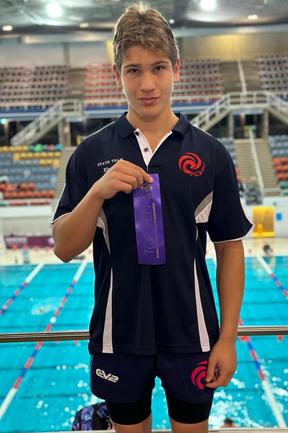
(198, 375)
(191, 164)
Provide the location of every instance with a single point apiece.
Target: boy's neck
(154, 128)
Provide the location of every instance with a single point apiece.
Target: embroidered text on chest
(108, 163)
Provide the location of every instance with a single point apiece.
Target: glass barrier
(44, 384)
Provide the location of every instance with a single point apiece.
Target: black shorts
(126, 382)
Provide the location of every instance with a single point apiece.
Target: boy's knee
(142, 427)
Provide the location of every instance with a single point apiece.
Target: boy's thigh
(183, 379)
(125, 382)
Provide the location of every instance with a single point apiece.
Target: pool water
(57, 382)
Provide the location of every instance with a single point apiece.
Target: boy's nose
(147, 83)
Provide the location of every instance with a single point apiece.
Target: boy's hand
(121, 177)
(222, 364)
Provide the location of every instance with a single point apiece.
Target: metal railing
(241, 75)
(204, 120)
(46, 121)
(216, 112)
(84, 335)
(256, 161)
(239, 101)
(218, 430)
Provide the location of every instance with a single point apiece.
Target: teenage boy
(145, 189)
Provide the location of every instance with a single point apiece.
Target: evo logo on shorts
(106, 376)
(198, 374)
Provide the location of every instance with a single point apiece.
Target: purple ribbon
(149, 223)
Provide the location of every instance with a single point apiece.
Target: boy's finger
(210, 371)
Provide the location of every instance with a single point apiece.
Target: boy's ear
(177, 70)
(117, 76)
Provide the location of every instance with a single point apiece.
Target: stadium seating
(41, 86)
(273, 72)
(32, 86)
(279, 151)
(101, 87)
(28, 173)
(200, 79)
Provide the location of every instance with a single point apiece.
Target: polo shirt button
(136, 133)
(146, 149)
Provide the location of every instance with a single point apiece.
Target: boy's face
(147, 78)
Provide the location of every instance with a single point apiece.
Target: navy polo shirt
(143, 309)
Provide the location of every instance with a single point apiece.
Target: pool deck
(252, 247)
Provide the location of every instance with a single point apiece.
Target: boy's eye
(133, 70)
(159, 67)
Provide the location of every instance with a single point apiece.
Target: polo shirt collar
(124, 128)
(182, 125)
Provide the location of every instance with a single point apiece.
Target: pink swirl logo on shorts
(198, 374)
(191, 164)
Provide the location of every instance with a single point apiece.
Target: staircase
(278, 107)
(241, 101)
(245, 160)
(216, 112)
(46, 121)
(247, 168)
(231, 79)
(230, 75)
(268, 175)
(251, 74)
(76, 79)
(65, 155)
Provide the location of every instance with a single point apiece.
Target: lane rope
(17, 292)
(264, 382)
(12, 392)
(273, 276)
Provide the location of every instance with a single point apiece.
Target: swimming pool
(56, 375)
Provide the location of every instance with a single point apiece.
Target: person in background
(228, 423)
(147, 189)
(268, 251)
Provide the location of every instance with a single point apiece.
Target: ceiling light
(171, 21)
(208, 5)
(252, 17)
(54, 10)
(7, 28)
(84, 25)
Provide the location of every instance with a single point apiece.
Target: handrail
(251, 97)
(256, 161)
(218, 430)
(205, 119)
(241, 76)
(212, 113)
(115, 100)
(47, 120)
(11, 337)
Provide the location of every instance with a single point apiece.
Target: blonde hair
(146, 27)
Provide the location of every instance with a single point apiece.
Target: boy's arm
(74, 232)
(230, 286)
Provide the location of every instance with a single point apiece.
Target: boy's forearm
(230, 286)
(74, 232)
